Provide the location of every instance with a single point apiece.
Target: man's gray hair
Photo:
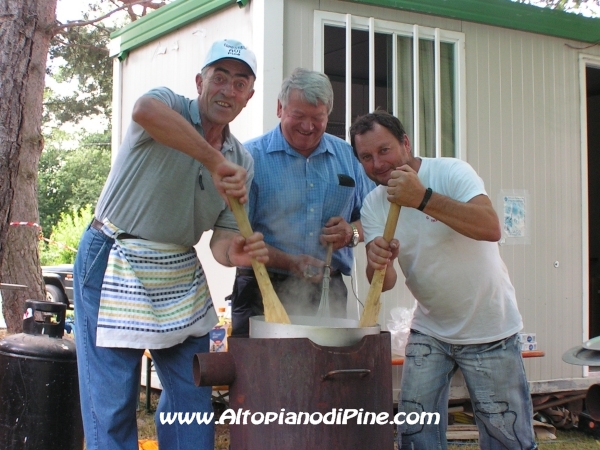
(314, 88)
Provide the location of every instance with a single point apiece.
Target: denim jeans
(497, 385)
(109, 378)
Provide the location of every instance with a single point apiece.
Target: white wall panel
(523, 133)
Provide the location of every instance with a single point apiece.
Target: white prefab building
(512, 89)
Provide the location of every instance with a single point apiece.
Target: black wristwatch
(355, 237)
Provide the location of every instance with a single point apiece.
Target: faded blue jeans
(109, 378)
(497, 385)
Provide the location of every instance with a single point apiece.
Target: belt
(97, 225)
(277, 276)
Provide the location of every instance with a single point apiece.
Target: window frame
(437, 35)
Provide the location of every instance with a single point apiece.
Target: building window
(376, 64)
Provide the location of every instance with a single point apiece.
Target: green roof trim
(504, 13)
(165, 20)
(501, 13)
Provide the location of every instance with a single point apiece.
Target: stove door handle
(360, 372)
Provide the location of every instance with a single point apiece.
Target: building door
(592, 89)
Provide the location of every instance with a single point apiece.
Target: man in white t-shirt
(467, 315)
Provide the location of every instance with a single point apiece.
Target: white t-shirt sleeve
(463, 183)
(373, 213)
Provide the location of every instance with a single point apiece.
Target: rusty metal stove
(298, 376)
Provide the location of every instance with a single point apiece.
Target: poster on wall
(514, 218)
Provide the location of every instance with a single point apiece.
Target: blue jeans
(497, 385)
(109, 378)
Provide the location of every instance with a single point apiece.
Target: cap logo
(231, 49)
(235, 51)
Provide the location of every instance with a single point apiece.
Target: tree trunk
(26, 27)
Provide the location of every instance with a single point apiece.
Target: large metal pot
(294, 378)
(326, 331)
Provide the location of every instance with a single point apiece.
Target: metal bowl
(325, 331)
(581, 356)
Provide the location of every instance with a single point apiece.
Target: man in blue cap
(137, 279)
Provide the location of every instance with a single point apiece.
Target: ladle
(324, 310)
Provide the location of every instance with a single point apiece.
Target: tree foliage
(61, 247)
(84, 59)
(71, 179)
(79, 54)
(590, 7)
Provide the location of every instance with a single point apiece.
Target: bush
(61, 247)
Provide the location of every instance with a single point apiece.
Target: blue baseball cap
(229, 48)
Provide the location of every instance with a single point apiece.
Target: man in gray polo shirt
(138, 282)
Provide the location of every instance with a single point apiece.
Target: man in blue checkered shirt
(307, 192)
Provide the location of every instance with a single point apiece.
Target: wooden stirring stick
(372, 304)
(274, 310)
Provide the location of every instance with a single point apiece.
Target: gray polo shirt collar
(195, 116)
